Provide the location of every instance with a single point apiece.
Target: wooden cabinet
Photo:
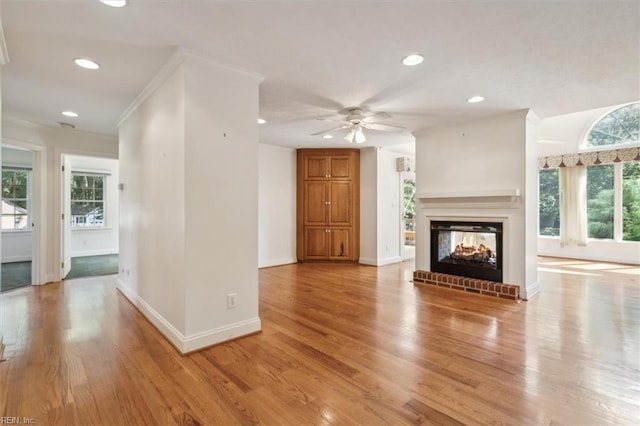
(328, 212)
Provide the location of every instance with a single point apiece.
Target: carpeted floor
(89, 266)
(15, 275)
(18, 274)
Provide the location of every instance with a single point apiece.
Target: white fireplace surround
(503, 206)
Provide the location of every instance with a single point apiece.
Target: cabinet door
(315, 203)
(340, 203)
(340, 243)
(340, 167)
(316, 167)
(316, 242)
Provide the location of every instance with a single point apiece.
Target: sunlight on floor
(564, 271)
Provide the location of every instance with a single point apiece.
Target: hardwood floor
(342, 344)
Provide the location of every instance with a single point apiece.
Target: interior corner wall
(152, 207)
(380, 235)
(487, 154)
(369, 206)
(388, 206)
(221, 199)
(276, 205)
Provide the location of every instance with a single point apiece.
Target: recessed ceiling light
(69, 114)
(114, 3)
(261, 121)
(412, 60)
(86, 63)
(475, 99)
(328, 137)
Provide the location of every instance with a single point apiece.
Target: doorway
(408, 221)
(90, 227)
(17, 218)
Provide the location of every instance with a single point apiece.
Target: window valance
(610, 156)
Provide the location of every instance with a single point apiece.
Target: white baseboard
(530, 291)
(11, 259)
(86, 253)
(1, 347)
(182, 343)
(277, 262)
(380, 262)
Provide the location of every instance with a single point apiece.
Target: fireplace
(467, 249)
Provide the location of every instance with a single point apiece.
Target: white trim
(1, 347)
(278, 262)
(530, 291)
(513, 192)
(193, 342)
(258, 78)
(13, 259)
(169, 331)
(165, 72)
(4, 52)
(87, 253)
(380, 262)
(221, 334)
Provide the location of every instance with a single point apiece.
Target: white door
(66, 216)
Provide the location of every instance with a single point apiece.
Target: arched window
(620, 126)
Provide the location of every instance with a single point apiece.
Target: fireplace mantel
(509, 193)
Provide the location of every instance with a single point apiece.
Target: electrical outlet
(231, 300)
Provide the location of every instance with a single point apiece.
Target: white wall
(276, 205)
(564, 134)
(48, 144)
(152, 216)
(468, 159)
(380, 235)
(189, 208)
(16, 246)
(98, 241)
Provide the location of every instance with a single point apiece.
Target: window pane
(98, 194)
(631, 201)
(619, 126)
(20, 221)
(76, 193)
(549, 203)
(99, 182)
(600, 201)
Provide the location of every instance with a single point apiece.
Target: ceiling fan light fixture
(350, 136)
(114, 3)
(359, 136)
(413, 59)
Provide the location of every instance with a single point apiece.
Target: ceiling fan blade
(339, 120)
(376, 116)
(382, 127)
(329, 131)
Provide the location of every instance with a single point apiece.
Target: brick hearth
(472, 285)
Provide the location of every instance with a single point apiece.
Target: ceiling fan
(357, 119)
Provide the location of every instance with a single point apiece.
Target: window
(631, 201)
(15, 199)
(87, 200)
(600, 206)
(549, 203)
(620, 126)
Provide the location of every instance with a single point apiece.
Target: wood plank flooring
(341, 344)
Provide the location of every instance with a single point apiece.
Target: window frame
(29, 172)
(584, 146)
(104, 177)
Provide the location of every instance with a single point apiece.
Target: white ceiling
(321, 56)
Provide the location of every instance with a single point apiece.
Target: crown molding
(178, 58)
(165, 72)
(4, 53)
